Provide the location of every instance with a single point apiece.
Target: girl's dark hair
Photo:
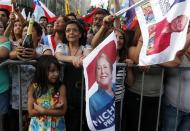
(82, 40)
(41, 75)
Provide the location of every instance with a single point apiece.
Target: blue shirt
(4, 73)
(99, 100)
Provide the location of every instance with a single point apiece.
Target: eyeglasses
(73, 30)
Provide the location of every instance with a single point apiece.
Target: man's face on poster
(103, 72)
(178, 24)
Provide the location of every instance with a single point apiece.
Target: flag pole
(128, 8)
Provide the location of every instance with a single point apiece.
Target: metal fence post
(179, 99)
(20, 98)
(160, 100)
(141, 101)
(82, 97)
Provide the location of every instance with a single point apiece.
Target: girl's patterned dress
(47, 123)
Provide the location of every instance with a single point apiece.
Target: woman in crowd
(17, 33)
(72, 52)
(53, 40)
(176, 105)
(150, 93)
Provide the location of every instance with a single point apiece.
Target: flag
(164, 29)
(28, 17)
(67, 7)
(131, 20)
(49, 40)
(6, 4)
(41, 10)
(23, 13)
(78, 12)
(100, 97)
(114, 6)
(89, 17)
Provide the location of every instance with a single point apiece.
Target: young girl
(46, 97)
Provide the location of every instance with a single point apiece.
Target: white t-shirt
(64, 49)
(177, 88)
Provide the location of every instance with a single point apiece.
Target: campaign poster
(163, 26)
(100, 72)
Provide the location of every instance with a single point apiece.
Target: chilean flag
(89, 17)
(41, 10)
(131, 19)
(6, 4)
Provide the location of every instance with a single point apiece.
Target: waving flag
(114, 6)
(164, 24)
(67, 7)
(28, 17)
(49, 40)
(41, 10)
(23, 13)
(131, 20)
(99, 71)
(89, 17)
(6, 4)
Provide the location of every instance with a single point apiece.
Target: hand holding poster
(99, 70)
(164, 27)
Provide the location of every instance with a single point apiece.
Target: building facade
(58, 6)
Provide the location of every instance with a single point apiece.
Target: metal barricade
(18, 63)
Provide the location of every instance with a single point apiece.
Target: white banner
(164, 26)
(100, 71)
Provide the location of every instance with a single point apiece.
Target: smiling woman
(104, 73)
(103, 99)
(72, 51)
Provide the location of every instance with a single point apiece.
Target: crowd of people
(52, 95)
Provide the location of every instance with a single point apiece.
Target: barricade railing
(32, 62)
(18, 63)
(141, 98)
